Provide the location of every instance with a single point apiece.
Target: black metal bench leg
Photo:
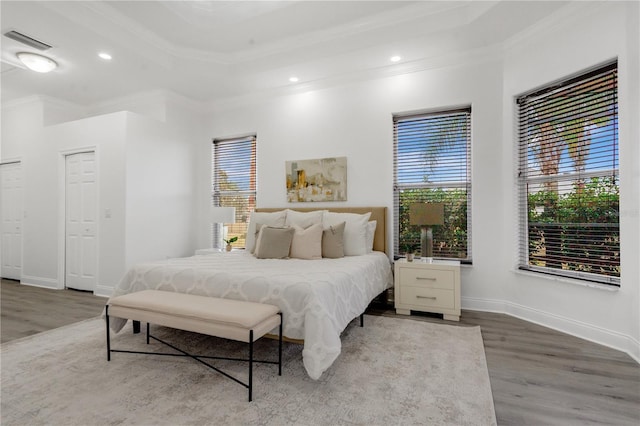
(136, 327)
(280, 347)
(250, 364)
(106, 317)
(361, 320)
(147, 333)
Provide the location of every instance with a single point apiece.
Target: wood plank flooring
(538, 376)
(27, 310)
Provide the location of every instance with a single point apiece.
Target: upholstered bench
(229, 319)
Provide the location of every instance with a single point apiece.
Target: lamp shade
(223, 214)
(426, 214)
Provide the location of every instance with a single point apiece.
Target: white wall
(606, 316)
(41, 149)
(145, 175)
(160, 193)
(354, 120)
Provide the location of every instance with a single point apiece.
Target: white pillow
(371, 231)
(355, 230)
(307, 243)
(304, 219)
(272, 219)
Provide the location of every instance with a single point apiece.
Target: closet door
(11, 203)
(80, 221)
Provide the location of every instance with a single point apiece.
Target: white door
(11, 202)
(80, 221)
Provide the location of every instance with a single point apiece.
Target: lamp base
(426, 243)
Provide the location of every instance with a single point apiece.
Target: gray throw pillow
(273, 242)
(333, 241)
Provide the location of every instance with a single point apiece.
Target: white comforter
(318, 298)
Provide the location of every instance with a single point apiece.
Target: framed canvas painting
(323, 179)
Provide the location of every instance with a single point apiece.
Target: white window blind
(432, 163)
(568, 178)
(234, 183)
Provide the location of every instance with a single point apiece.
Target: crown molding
(26, 100)
(93, 15)
(481, 55)
(161, 96)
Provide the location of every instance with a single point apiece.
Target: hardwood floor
(27, 310)
(538, 376)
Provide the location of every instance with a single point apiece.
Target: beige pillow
(332, 241)
(307, 243)
(355, 231)
(264, 218)
(273, 243)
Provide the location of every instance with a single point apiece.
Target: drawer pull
(426, 278)
(427, 297)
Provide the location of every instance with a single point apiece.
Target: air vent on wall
(25, 39)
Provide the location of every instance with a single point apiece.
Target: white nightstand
(428, 287)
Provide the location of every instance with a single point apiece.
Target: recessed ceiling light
(37, 63)
(395, 58)
(294, 79)
(105, 56)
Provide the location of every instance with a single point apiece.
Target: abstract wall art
(323, 179)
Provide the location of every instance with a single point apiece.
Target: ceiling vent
(25, 39)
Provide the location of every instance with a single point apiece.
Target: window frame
(524, 121)
(465, 184)
(222, 146)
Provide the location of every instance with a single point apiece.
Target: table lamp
(426, 215)
(222, 215)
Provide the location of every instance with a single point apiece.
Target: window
(234, 184)
(432, 163)
(568, 178)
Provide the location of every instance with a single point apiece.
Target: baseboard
(602, 336)
(51, 283)
(103, 291)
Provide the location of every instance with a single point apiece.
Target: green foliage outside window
(450, 239)
(577, 231)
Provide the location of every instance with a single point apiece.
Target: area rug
(392, 371)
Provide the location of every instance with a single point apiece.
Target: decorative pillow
(371, 231)
(355, 231)
(332, 241)
(307, 243)
(271, 219)
(273, 243)
(304, 219)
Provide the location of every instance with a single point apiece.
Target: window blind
(568, 178)
(432, 163)
(234, 184)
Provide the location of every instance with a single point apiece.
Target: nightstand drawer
(427, 297)
(429, 278)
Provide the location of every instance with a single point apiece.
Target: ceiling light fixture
(37, 63)
(395, 58)
(105, 56)
(293, 79)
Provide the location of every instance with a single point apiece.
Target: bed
(318, 298)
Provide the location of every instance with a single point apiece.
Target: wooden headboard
(378, 214)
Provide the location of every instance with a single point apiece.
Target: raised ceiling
(210, 50)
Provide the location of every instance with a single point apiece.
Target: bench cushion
(231, 319)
